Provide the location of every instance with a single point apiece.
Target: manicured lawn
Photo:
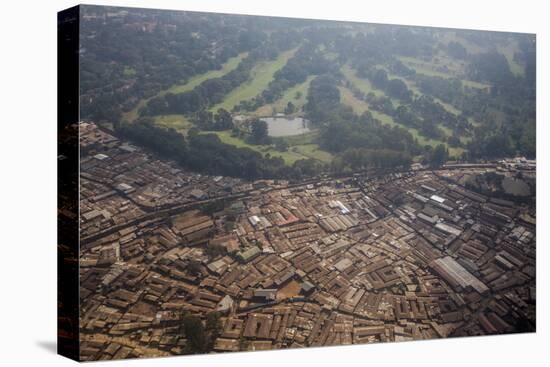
(474, 84)
(456, 152)
(313, 151)
(429, 69)
(384, 118)
(128, 71)
(361, 106)
(289, 96)
(261, 75)
(364, 85)
(225, 136)
(294, 153)
(470, 47)
(302, 139)
(509, 50)
(422, 67)
(228, 66)
(177, 122)
(448, 107)
(446, 130)
(133, 114)
(413, 87)
(347, 98)
(474, 122)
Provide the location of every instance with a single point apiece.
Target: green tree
(223, 120)
(212, 329)
(214, 250)
(258, 129)
(290, 108)
(281, 145)
(439, 156)
(195, 334)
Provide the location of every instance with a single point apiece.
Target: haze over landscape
(253, 183)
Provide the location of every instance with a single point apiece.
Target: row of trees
(208, 154)
(205, 95)
(366, 132)
(122, 64)
(395, 88)
(359, 142)
(355, 159)
(422, 113)
(323, 100)
(506, 106)
(200, 335)
(206, 120)
(308, 60)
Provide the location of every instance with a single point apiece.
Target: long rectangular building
(456, 275)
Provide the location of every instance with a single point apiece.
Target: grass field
(423, 67)
(312, 151)
(228, 66)
(261, 75)
(177, 122)
(448, 107)
(360, 106)
(472, 48)
(451, 36)
(302, 139)
(429, 69)
(289, 96)
(301, 147)
(364, 85)
(509, 50)
(129, 71)
(347, 98)
(289, 156)
(413, 88)
(474, 84)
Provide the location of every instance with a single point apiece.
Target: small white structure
(101, 156)
(438, 199)
(254, 220)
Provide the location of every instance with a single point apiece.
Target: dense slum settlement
(402, 256)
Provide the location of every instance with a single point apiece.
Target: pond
(286, 126)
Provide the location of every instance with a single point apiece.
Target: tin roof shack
(264, 295)
(307, 288)
(193, 227)
(225, 305)
(124, 188)
(198, 194)
(258, 326)
(230, 242)
(249, 254)
(326, 263)
(456, 275)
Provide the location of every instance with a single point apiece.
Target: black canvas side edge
(68, 24)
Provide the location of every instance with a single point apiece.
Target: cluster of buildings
(403, 256)
(120, 183)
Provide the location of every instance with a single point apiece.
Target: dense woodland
(377, 96)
